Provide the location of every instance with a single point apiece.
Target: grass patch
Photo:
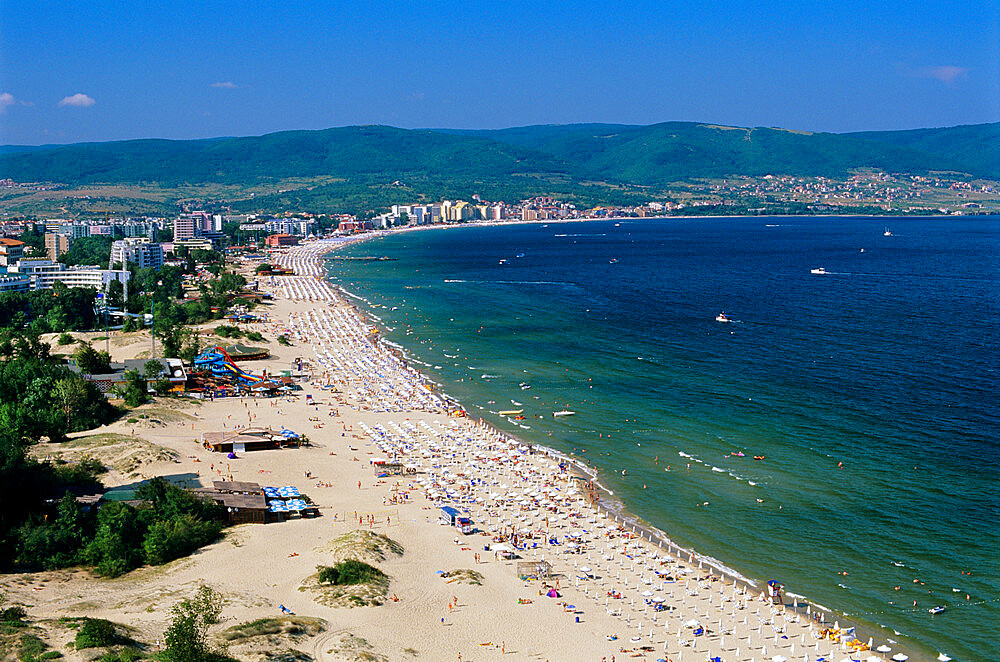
(125, 453)
(367, 594)
(287, 625)
(356, 649)
(127, 654)
(463, 576)
(362, 546)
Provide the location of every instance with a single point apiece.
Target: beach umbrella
(779, 658)
(884, 649)
(900, 657)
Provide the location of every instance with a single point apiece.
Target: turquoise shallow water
(889, 365)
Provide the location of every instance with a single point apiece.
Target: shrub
(13, 615)
(187, 635)
(283, 340)
(124, 655)
(350, 572)
(171, 539)
(66, 339)
(255, 336)
(96, 632)
(31, 647)
(227, 331)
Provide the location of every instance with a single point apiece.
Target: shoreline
(618, 509)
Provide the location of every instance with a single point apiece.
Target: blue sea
(870, 392)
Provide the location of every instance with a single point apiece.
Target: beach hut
(534, 570)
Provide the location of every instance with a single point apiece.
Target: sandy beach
(616, 593)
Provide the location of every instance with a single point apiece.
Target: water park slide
(219, 362)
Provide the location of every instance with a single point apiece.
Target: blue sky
(92, 71)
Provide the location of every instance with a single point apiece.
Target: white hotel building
(42, 274)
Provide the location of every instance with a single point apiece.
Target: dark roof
(235, 486)
(246, 501)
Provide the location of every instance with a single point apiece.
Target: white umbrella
(900, 657)
(779, 658)
(693, 623)
(884, 649)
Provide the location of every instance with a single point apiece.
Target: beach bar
(247, 439)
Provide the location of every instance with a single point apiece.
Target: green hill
(675, 151)
(341, 152)
(615, 163)
(975, 146)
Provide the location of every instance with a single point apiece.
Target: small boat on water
(511, 412)
(613, 260)
(503, 262)
(564, 412)
(936, 610)
(819, 271)
(722, 317)
(887, 233)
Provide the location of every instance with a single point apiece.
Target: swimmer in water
(623, 472)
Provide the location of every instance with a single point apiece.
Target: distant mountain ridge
(653, 155)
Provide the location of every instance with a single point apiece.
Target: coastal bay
(816, 371)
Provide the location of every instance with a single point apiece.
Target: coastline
(618, 509)
(357, 413)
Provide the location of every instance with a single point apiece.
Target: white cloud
(947, 73)
(6, 99)
(226, 85)
(77, 100)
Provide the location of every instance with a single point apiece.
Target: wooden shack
(243, 508)
(247, 439)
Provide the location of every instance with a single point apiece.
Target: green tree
(116, 294)
(115, 548)
(135, 389)
(170, 539)
(57, 544)
(187, 635)
(152, 369)
(91, 361)
(71, 394)
(171, 335)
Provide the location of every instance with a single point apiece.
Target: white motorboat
(722, 317)
(819, 271)
(564, 412)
